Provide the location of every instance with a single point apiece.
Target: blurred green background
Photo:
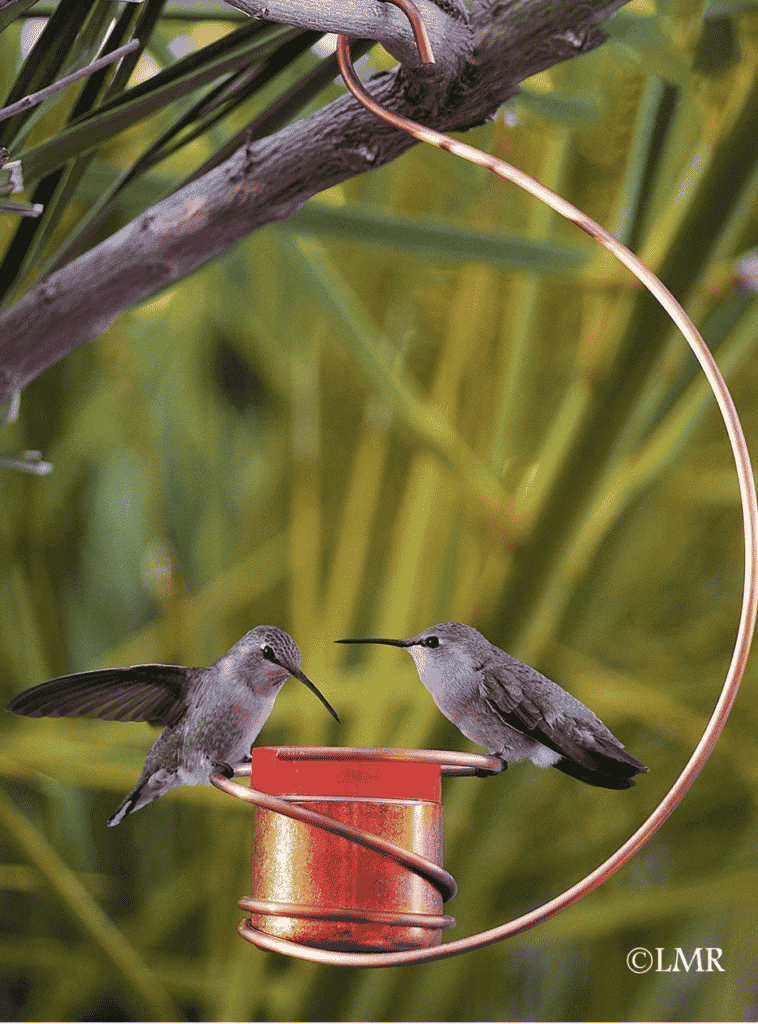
(422, 398)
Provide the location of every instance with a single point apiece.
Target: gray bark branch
(481, 59)
(447, 23)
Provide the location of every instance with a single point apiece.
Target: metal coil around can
(451, 764)
(748, 614)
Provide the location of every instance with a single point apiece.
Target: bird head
(271, 656)
(443, 653)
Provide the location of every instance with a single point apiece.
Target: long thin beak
(304, 679)
(376, 640)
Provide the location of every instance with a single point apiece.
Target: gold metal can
(321, 889)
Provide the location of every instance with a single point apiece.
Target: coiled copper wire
(451, 763)
(750, 591)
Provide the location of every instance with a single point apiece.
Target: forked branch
(481, 58)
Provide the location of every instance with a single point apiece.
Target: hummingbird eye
(268, 653)
(432, 641)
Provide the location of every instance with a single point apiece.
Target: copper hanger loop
(420, 33)
(750, 532)
(355, 86)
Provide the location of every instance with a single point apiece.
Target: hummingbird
(211, 716)
(512, 709)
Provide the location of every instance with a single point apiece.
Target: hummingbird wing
(534, 705)
(141, 693)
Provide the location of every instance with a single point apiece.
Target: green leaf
(434, 239)
(129, 110)
(574, 110)
(643, 37)
(16, 9)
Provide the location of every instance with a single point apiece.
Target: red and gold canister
(317, 888)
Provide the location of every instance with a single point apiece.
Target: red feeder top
(345, 776)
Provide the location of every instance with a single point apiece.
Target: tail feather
(618, 774)
(127, 805)
(154, 782)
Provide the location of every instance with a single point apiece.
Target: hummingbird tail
(143, 793)
(618, 774)
(129, 804)
(154, 782)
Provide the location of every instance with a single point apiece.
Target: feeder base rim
(353, 915)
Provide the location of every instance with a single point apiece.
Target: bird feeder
(348, 842)
(347, 851)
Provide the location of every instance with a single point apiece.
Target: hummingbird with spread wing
(210, 716)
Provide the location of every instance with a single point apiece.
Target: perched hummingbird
(513, 710)
(211, 715)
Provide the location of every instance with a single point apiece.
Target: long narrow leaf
(13, 9)
(85, 911)
(106, 124)
(33, 99)
(434, 239)
(58, 43)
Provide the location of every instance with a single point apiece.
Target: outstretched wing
(142, 693)
(546, 713)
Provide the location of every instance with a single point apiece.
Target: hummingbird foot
(226, 769)
(484, 773)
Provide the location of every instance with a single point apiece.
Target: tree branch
(481, 59)
(447, 22)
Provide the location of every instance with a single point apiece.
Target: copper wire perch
(451, 764)
(750, 527)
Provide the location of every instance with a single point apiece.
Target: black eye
(432, 641)
(268, 653)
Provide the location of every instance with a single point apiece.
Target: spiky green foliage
(422, 398)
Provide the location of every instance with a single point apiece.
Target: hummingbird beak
(376, 640)
(297, 674)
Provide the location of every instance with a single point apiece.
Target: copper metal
(302, 907)
(370, 904)
(750, 529)
(750, 592)
(412, 13)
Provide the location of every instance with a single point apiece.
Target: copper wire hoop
(749, 600)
